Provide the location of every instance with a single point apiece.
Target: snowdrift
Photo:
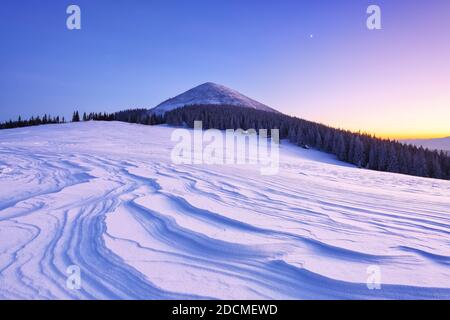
(104, 196)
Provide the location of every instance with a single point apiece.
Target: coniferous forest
(139, 116)
(33, 121)
(360, 149)
(363, 150)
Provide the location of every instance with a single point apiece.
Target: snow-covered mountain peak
(210, 93)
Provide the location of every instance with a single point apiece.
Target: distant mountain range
(210, 94)
(432, 144)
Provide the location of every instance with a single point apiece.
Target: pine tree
(373, 157)
(392, 160)
(419, 163)
(358, 152)
(76, 117)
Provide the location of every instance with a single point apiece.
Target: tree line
(33, 121)
(361, 149)
(140, 116)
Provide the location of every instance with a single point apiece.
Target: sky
(313, 59)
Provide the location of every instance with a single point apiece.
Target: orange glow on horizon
(400, 134)
(412, 136)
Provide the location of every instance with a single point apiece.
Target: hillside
(106, 197)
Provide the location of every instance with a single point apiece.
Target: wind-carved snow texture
(106, 197)
(210, 94)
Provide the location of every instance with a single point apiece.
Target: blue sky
(138, 53)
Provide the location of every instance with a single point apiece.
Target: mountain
(432, 144)
(210, 94)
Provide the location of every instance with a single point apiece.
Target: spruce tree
(76, 117)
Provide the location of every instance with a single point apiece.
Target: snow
(210, 94)
(105, 196)
(432, 144)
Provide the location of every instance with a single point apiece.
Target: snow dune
(106, 197)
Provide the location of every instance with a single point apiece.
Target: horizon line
(391, 136)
